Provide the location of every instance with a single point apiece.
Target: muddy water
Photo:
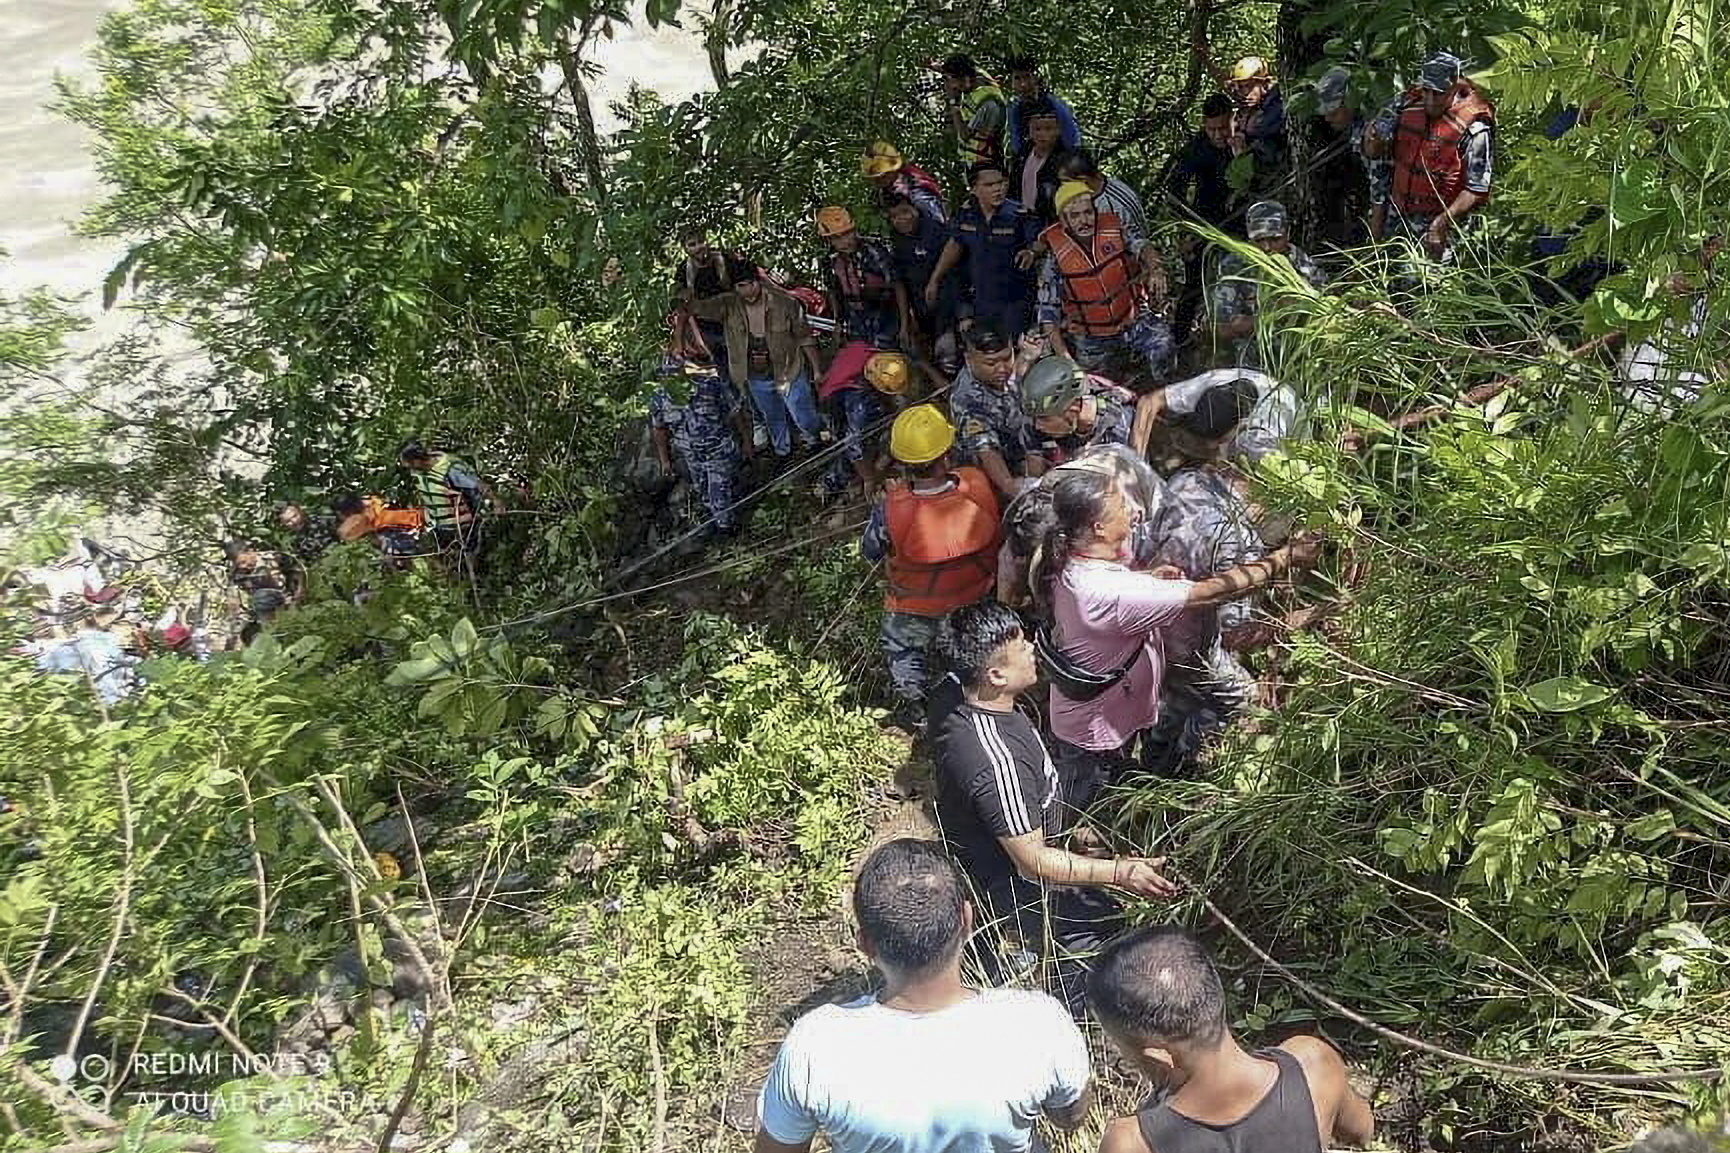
(47, 178)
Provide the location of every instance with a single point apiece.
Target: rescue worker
(1197, 177)
(1258, 141)
(1345, 179)
(698, 427)
(892, 176)
(1275, 415)
(452, 495)
(977, 110)
(937, 533)
(1109, 193)
(1030, 92)
(916, 244)
(1072, 410)
(869, 302)
(773, 353)
(1206, 527)
(396, 531)
(994, 432)
(1236, 294)
(861, 384)
(1440, 139)
(992, 231)
(1096, 287)
(1038, 163)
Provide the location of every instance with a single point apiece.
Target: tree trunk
(1299, 53)
(715, 42)
(588, 140)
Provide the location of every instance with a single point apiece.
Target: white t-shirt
(971, 1078)
(1277, 415)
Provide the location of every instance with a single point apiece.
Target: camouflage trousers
(907, 641)
(714, 477)
(1200, 697)
(1148, 338)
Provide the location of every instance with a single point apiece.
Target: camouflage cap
(1265, 218)
(1440, 72)
(1331, 90)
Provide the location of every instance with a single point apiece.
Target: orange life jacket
(380, 517)
(942, 546)
(1429, 168)
(1099, 276)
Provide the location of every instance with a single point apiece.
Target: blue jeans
(798, 402)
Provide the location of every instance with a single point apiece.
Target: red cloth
(847, 370)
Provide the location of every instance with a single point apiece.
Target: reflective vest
(985, 145)
(1429, 167)
(942, 546)
(446, 505)
(1099, 277)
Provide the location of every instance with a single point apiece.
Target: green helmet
(1051, 386)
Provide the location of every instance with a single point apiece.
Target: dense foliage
(1490, 807)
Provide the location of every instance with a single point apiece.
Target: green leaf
(1565, 695)
(1652, 826)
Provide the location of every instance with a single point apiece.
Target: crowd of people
(1075, 572)
(93, 619)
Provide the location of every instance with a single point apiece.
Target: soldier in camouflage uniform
(696, 421)
(1235, 299)
(993, 431)
(1205, 527)
(1438, 140)
(1072, 410)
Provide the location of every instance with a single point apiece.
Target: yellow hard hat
(920, 435)
(880, 159)
(388, 866)
(1250, 68)
(888, 372)
(834, 220)
(1068, 191)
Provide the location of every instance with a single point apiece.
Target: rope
(1526, 1072)
(809, 462)
(736, 562)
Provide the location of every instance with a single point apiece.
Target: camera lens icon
(94, 1067)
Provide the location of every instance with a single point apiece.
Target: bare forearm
(1147, 411)
(991, 461)
(1464, 204)
(1240, 581)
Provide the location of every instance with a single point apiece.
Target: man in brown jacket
(770, 347)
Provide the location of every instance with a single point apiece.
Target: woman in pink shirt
(1105, 651)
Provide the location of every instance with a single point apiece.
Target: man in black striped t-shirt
(999, 801)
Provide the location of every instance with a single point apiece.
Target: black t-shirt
(1199, 162)
(994, 779)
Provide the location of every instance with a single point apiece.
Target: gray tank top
(1283, 1121)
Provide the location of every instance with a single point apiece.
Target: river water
(49, 177)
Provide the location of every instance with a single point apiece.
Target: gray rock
(391, 835)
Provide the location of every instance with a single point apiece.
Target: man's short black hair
(1158, 985)
(972, 635)
(348, 505)
(740, 270)
(979, 167)
(414, 450)
(1021, 62)
(986, 336)
(1221, 408)
(909, 901)
(898, 200)
(1219, 104)
(1079, 164)
(960, 64)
